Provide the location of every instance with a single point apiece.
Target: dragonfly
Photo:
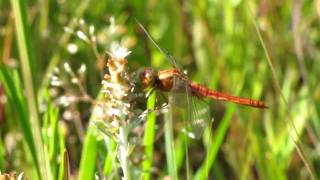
(175, 80)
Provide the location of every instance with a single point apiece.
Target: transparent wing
(190, 114)
(167, 55)
(178, 106)
(200, 117)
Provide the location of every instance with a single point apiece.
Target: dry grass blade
(290, 122)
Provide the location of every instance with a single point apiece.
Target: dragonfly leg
(158, 108)
(163, 106)
(165, 99)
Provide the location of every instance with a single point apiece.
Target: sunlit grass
(149, 137)
(245, 48)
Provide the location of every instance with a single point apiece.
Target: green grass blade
(2, 155)
(89, 154)
(51, 134)
(290, 122)
(148, 140)
(217, 142)
(25, 52)
(13, 89)
(169, 144)
(109, 162)
(63, 150)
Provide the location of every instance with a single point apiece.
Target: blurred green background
(263, 49)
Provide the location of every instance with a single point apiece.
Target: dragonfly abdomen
(202, 91)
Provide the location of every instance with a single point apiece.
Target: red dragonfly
(175, 81)
(164, 81)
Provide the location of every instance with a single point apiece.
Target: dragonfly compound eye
(147, 77)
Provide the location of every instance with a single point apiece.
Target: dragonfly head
(147, 77)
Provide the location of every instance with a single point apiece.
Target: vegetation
(72, 106)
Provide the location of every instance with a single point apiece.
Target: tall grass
(255, 49)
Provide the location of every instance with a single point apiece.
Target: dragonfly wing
(200, 116)
(167, 55)
(178, 106)
(191, 114)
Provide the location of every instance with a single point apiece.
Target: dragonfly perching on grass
(174, 80)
